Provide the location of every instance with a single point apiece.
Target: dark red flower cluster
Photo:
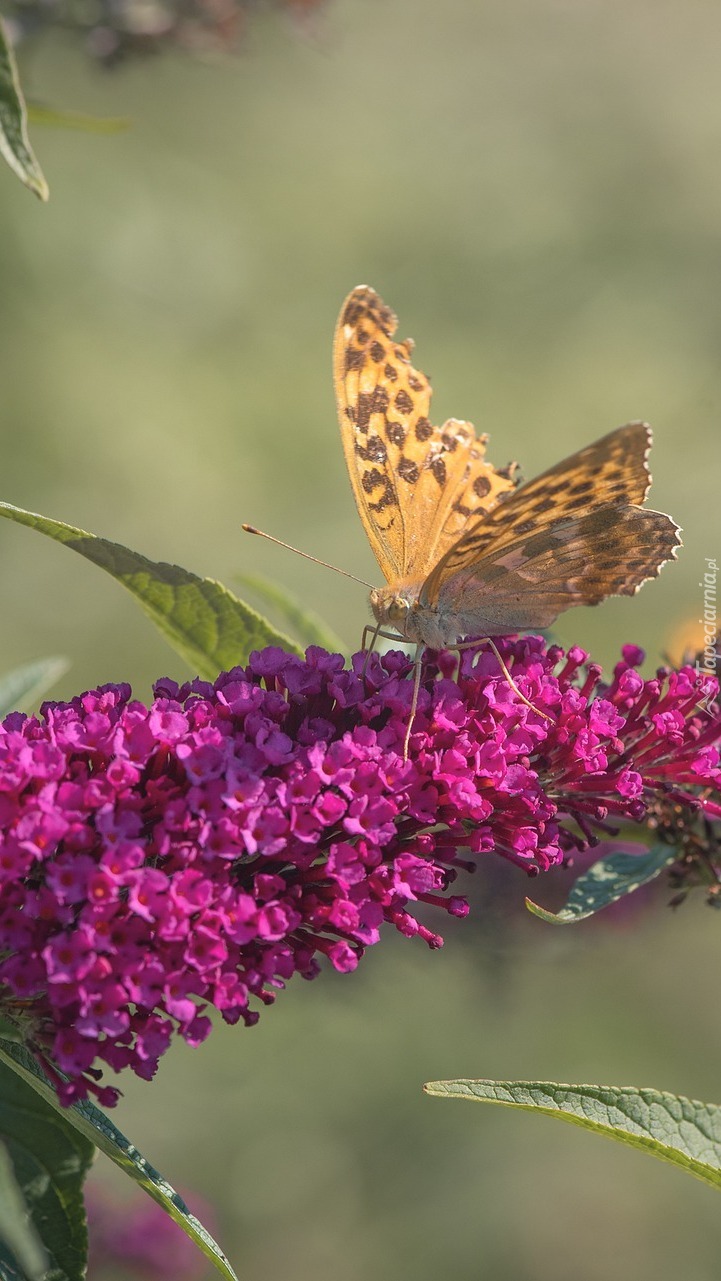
(114, 31)
(200, 851)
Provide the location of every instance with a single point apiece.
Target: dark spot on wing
(365, 409)
(370, 480)
(374, 450)
(396, 433)
(387, 499)
(438, 467)
(408, 470)
(508, 471)
(352, 313)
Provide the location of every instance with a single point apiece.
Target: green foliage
(86, 1128)
(608, 880)
(14, 143)
(676, 1129)
(200, 618)
(20, 688)
(21, 1250)
(43, 1167)
(306, 624)
(57, 118)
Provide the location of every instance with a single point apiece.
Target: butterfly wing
(416, 486)
(572, 536)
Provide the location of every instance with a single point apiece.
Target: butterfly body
(464, 550)
(399, 607)
(440, 626)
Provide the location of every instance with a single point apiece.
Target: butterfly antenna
(250, 529)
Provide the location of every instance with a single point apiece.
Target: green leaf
(23, 686)
(683, 1131)
(607, 881)
(305, 623)
(22, 1254)
(14, 143)
(93, 1125)
(201, 619)
(45, 1161)
(18, 1234)
(40, 114)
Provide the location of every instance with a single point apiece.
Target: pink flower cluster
(200, 851)
(141, 1240)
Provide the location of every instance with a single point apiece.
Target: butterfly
(465, 550)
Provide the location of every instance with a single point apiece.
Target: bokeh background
(535, 187)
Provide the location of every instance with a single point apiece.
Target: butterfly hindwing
(611, 475)
(579, 559)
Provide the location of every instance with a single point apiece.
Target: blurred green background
(535, 187)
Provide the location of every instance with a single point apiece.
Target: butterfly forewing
(416, 486)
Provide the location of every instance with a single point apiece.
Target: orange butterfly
(464, 552)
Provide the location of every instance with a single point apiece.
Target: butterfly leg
(378, 631)
(488, 640)
(374, 631)
(414, 700)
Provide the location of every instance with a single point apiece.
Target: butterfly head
(397, 607)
